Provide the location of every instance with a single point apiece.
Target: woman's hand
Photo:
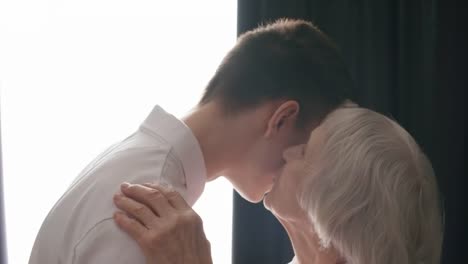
(163, 224)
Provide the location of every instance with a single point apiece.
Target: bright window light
(77, 76)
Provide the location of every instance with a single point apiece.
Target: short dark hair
(287, 59)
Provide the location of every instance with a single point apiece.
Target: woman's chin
(277, 208)
(267, 201)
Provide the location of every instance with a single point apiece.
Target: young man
(269, 92)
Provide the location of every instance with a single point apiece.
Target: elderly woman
(360, 191)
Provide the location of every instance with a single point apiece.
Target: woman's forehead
(317, 136)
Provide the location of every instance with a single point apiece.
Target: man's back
(80, 228)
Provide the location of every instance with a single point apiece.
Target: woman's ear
(285, 116)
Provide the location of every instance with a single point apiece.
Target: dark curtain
(3, 253)
(409, 61)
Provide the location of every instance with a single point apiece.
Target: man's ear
(284, 116)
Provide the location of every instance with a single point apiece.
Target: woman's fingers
(175, 236)
(131, 226)
(151, 197)
(137, 210)
(174, 197)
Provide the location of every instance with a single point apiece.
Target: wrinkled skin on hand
(166, 228)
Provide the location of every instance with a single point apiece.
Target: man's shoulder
(83, 215)
(128, 161)
(137, 152)
(88, 203)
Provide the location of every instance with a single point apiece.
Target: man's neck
(218, 137)
(306, 243)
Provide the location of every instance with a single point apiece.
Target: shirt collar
(186, 147)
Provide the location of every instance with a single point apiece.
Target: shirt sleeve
(106, 243)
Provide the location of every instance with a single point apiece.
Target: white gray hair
(374, 196)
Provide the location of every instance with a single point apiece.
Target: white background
(77, 76)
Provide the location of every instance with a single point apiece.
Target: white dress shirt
(293, 261)
(80, 227)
